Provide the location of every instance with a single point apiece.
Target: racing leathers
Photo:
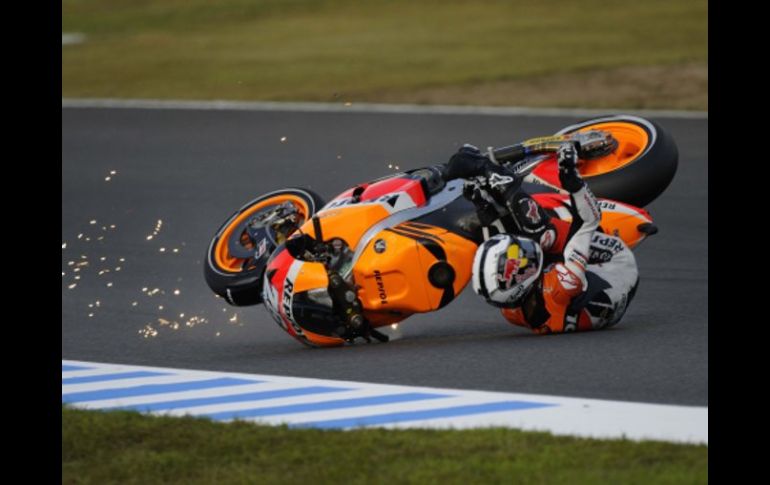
(591, 276)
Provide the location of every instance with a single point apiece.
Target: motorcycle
(330, 273)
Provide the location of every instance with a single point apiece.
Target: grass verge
(127, 447)
(593, 53)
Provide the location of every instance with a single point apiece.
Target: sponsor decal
(380, 287)
(612, 244)
(567, 278)
(578, 258)
(547, 239)
(497, 179)
(380, 246)
(270, 297)
(599, 256)
(607, 205)
(532, 213)
(288, 294)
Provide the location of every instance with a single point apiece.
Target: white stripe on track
(221, 105)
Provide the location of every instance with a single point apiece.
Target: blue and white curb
(323, 403)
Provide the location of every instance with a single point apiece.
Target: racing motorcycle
(333, 272)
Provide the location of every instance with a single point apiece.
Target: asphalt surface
(191, 169)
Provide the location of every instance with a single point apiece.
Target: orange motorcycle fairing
(411, 268)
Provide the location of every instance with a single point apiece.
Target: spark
(83, 256)
(144, 289)
(90, 305)
(218, 334)
(63, 273)
(176, 292)
(97, 303)
(122, 260)
(134, 303)
(394, 326)
(73, 285)
(348, 104)
(397, 167)
(163, 321)
(70, 263)
(103, 258)
(80, 236)
(160, 307)
(149, 238)
(117, 269)
(176, 250)
(148, 331)
(88, 239)
(76, 270)
(77, 277)
(90, 315)
(181, 315)
(107, 179)
(104, 228)
(109, 285)
(92, 222)
(339, 157)
(162, 250)
(153, 292)
(113, 172)
(283, 139)
(81, 264)
(224, 309)
(64, 245)
(390, 165)
(235, 318)
(100, 238)
(112, 226)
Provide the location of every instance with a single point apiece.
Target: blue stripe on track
(69, 368)
(449, 412)
(251, 396)
(111, 377)
(149, 389)
(325, 405)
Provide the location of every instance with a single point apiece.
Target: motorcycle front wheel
(239, 250)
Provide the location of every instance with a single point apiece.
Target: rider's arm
(585, 214)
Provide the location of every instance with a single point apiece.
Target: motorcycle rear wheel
(641, 167)
(237, 279)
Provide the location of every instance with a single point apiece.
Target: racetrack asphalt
(191, 169)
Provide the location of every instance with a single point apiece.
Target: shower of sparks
(195, 320)
(148, 331)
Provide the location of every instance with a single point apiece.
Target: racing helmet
(505, 267)
(295, 293)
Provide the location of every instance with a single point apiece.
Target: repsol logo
(288, 290)
(380, 287)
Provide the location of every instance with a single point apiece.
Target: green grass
(126, 447)
(353, 50)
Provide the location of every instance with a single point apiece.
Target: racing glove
(569, 177)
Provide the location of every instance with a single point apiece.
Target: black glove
(569, 177)
(466, 163)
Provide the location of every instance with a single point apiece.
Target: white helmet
(505, 267)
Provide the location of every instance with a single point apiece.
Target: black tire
(239, 286)
(643, 179)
